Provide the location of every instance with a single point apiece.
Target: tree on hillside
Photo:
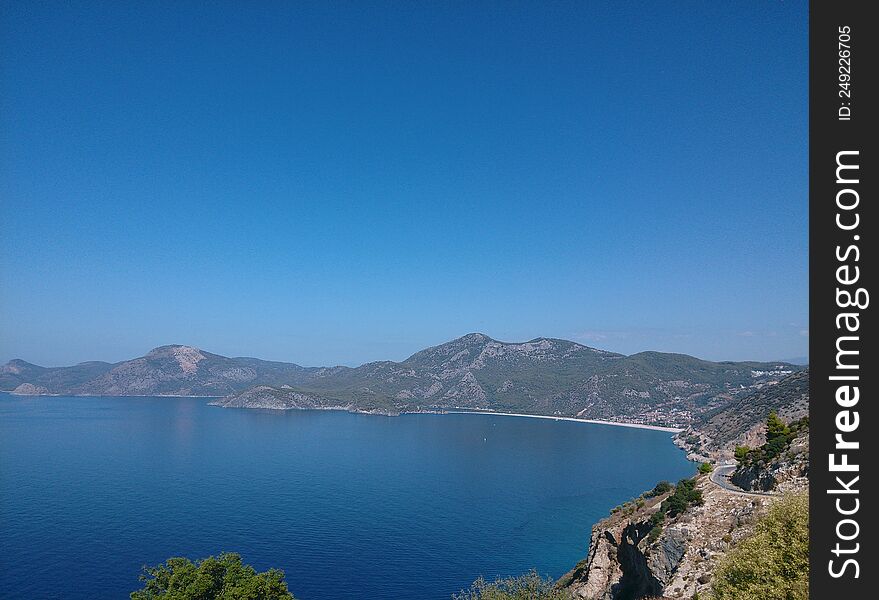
(775, 427)
(779, 436)
(220, 578)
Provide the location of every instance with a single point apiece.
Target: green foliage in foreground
(525, 587)
(774, 562)
(220, 578)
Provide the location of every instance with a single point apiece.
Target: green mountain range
(542, 376)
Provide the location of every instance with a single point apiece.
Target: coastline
(349, 409)
(593, 421)
(19, 395)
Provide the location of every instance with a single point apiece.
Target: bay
(348, 505)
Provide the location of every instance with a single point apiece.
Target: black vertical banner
(844, 421)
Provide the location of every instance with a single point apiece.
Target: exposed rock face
(637, 580)
(623, 564)
(186, 357)
(790, 471)
(18, 367)
(29, 389)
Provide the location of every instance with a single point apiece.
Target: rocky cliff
(788, 469)
(634, 555)
(625, 562)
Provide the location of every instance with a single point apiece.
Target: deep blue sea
(348, 505)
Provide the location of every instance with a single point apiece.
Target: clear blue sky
(333, 183)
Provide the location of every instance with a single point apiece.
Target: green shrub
(684, 495)
(220, 578)
(525, 587)
(705, 468)
(660, 488)
(742, 452)
(654, 534)
(774, 561)
(657, 518)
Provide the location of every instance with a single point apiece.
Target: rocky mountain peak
(16, 366)
(171, 350)
(186, 357)
(474, 338)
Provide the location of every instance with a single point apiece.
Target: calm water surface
(349, 506)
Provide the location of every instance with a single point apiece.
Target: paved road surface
(720, 476)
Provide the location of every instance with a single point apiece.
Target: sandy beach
(616, 423)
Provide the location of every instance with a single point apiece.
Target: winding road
(720, 477)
